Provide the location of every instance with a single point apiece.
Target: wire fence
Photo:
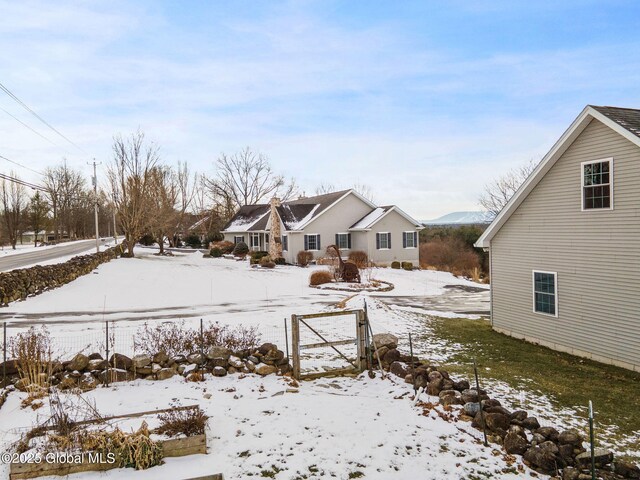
(126, 337)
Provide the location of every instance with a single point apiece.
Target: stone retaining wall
(88, 371)
(548, 450)
(24, 282)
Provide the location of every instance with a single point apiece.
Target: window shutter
(404, 239)
(337, 243)
(348, 240)
(415, 239)
(306, 242)
(388, 240)
(377, 241)
(318, 242)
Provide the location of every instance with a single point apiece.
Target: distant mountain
(461, 218)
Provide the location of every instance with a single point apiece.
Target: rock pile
(544, 449)
(21, 283)
(88, 371)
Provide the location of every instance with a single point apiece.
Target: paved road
(33, 257)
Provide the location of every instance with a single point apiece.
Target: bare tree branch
(499, 192)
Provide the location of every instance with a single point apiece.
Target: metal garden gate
(342, 334)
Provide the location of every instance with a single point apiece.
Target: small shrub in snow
(304, 257)
(360, 258)
(320, 277)
(175, 338)
(280, 261)
(192, 241)
(241, 249)
(395, 265)
(256, 256)
(216, 252)
(407, 265)
(147, 240)
(188, 422)
(224, 246)
(266, 262)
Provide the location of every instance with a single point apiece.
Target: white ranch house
(343, 218)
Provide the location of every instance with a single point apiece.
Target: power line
(28, 109)
(27, 126)
(22, 182)
(20, 165)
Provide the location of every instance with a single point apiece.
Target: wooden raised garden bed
(174, 447)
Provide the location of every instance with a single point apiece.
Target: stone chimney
(275, 240)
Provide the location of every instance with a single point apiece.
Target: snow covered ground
(330, 428)
(337, 426)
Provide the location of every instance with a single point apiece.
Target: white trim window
(597, 184)
(238, 239)
(254, 238)
(285, 243)
(312, 242)
(545, 293)
(383, 241)
(343, 241)
(409, 239)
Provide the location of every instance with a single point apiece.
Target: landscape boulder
(264, 369)
(197, 358)
(385, 340)
(165, 373)
(515, 444)
(141, 361)
(119, 361)
(218, 352)
(79, 363)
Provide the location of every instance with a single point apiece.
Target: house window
(545, 293)
(285, 243)
(409, 239)
(238, 239)
(596, 184)
(312, 242)
(383, 240)
(254, 238)
(343, 241)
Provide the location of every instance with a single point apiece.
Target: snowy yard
(330, 427)
(341, 428)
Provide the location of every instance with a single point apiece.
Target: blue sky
(425, 102)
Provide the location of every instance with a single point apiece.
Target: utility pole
(95, 197)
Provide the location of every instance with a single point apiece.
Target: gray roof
(628, 118)
(248, 218)
(294, 213)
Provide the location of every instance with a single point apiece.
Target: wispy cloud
(326, 95)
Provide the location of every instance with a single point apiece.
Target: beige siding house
(343, 218)
(565, 250)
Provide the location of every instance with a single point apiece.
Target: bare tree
(131, 180)
(246, 178)
(364, 190)
(67, 193)
(186, 188)
(163, 194)
(13, 198)
(325, 188)
(497, 193)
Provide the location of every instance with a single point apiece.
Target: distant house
(344, 218)
(565, 250)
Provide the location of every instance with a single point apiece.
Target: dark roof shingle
(628, 118)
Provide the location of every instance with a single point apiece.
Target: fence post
(4, 354)
(413, 369)
(106, 373)
(592, 441)
(286, 338)
(295, 337)
(201, 338)
(484, 425)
